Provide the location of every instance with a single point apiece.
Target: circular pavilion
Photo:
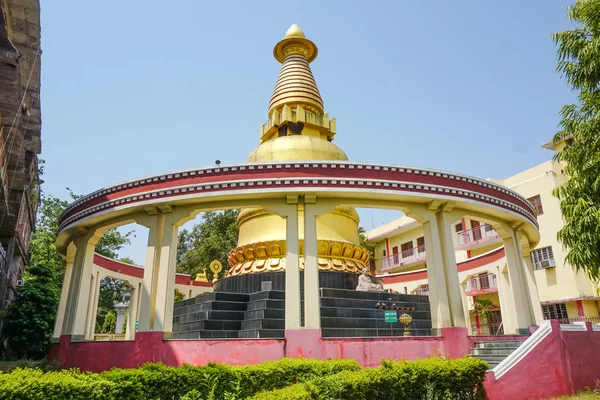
(298, 235)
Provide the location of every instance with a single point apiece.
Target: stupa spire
(296, 106)
(296, 84)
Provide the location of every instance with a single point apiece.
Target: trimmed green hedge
(156, 381)
(435, 379)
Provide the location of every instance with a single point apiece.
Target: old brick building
(20, 128)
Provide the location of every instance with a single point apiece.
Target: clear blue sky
(132, 88)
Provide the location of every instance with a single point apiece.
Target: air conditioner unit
(547, 264)
(20, 282)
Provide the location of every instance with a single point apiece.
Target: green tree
(110, 323)
(579, 61)
(208, 241)
(178, 296)
(365, 243)
(29, 321)
(30, 317)
(124, 326)
(128, 260)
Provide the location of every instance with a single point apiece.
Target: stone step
(365, 332)
(501, 343)
(367, 313)
(265, 313)
(262, 334)
(359, 303)
(490, 358)
(211, 305)
(506, 351)
(268, 295)
(223, 305)
(327, 322)
(190, 317)
(227, 325)
(266, 303)
(263, 323)
(206, 335)
(378, 296)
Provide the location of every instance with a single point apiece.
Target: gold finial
(295, 43)
(294, 31)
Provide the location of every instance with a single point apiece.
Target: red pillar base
(455, 342)
(304, 343)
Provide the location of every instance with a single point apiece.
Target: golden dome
(294, 31)
(297, 147)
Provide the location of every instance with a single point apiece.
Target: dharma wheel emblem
(216, 267)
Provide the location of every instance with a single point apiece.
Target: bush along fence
(285, 379)
(430, 379)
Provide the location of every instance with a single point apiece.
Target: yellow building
(564, 294)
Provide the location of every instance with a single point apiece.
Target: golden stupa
(297, 129)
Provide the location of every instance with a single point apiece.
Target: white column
(465, 303)
(64, 294)
(453, 287)
(312, 296)
(292, 271)
(523, 313)
(93, 307)
(133, 311)
(533, 290)
(151, 268)
(76, 316)
(165, 289)
(507, 306)
(438, 296)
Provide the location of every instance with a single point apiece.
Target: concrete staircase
(494, 352)
(344, 313)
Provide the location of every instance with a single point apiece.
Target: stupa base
(252, 283)
(253, 306)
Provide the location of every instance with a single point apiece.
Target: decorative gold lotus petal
(261, 250)
(249, 252)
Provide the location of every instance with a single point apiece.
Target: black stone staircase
(349, 313)
(494, 352)
(344, 313)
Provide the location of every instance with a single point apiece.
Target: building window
(421, 244)
(407, 249)
(458, 228)
(555, 311)
(384, 253)
(543, 258)
(536, 202)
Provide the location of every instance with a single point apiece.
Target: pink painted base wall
(150, 347)
(564, 362)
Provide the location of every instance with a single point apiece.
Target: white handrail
(543, 331)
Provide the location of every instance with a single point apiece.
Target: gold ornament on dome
(269, 256)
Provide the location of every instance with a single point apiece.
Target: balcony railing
(422, 290)
(593, 320)
(404, 259)
(480, 234)
(481, 283)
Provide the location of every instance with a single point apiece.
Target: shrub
(25, 384)
(159, 382)
(216, 380)
(433, 378)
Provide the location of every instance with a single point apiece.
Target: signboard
(390, 316)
